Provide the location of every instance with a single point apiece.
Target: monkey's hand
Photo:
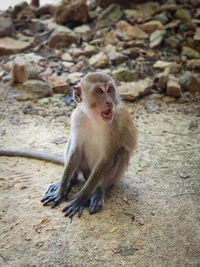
(76, 205)
(53, 195)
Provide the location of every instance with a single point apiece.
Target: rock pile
(150, 45)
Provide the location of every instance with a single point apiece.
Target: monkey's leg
(58, 192)
(114, 174)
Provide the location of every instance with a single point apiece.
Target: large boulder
(6, 27)
(25, 66)
(33, 89)
(133, 90)
(62, 37)
(12, 46)
(75, 11)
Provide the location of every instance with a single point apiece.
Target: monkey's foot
(52, 195)
(72, 208)
(96, 201)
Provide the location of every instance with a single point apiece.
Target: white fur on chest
(94, 142)
(92, 136)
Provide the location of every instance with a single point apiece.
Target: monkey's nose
(109, 103)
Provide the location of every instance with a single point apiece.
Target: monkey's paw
(72, 208)
(52, 195)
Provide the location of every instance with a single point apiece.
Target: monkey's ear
(77, 93)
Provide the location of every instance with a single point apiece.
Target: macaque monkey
(101, 142)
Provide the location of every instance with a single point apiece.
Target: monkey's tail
(32, 154)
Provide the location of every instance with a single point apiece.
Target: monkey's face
(102, 101)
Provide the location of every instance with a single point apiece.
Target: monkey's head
(98, 93)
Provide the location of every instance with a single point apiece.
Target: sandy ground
(156, 209)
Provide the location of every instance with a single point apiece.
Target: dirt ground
(155, 208)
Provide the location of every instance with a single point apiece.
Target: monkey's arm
(32, 154)
(112, 168)
(57, 192)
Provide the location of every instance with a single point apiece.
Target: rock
(156, 38)
(126, 75)
(193, 64)
(151, 26)
(115, 57)
(33, 89)
(18, 8)
(162, 79)
(12, 46)
(26, 15)
(172, 42)
(99, 61)
(142, 12)
(66, 57)
(147, 10)
(25, 66)
(89, 50)
(128, 32)
(197, 34)
(138, 43)
(133, 90)
(75, 52)
(72, 11)
(79, 65)
(19, 73)
(74, 77)
(67, 65)
(55, 100)
(162, 17)
(133, 52)
(190, 82)
(173, 87)
(161, 65)
(168, 7)
(132, 15)
(189, 52)
(105, 3)
(62, 37)
(84, 32)
(173, 24)
(109, 38)
(6, 27)
(168, 99)
(109, 16)
(59, 84)
(183, 15)
(45, 9)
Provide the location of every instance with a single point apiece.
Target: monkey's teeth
(107, 114)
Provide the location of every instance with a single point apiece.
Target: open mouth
(107, 114)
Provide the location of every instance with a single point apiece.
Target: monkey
(101, 142)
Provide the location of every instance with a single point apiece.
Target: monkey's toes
(96, 206)
(96, 201)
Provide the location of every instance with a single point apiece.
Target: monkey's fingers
(47, 201)
(52, 188)
(45, 197)
(72, 208)
(95, 206)
(56, 202)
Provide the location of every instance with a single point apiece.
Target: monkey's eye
(99, 91)
(110, 89)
